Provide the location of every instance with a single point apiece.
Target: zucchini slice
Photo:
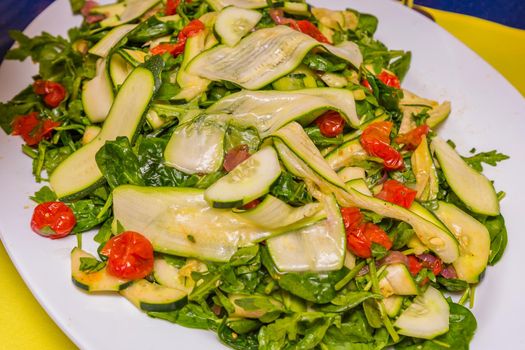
(115, 35)
(427, 316)
(79, 172)
(270, 110)
(97, 94)
(233, 23)
(273, 213)
(351, 173)
(133, 57)
(218, 5)
(197, 146)
(177, 278)
(318, 247)
(347, 154)
(119, 69)
(99, 281)
(149, 296)
(296, 8)
(474, 241)
(397, 281)
(248, 181)
(179, 221)
(252, 65)
(411, 104)
(90, 133)
(427, 184)
(133, 9)
(472, 187)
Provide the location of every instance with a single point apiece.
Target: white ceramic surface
(487, 114)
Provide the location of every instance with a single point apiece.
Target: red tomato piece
(54, 93)
(375, 139)
(173, 49)
(235, 156)
(352, 217)
(310, 29)
(414, 266)
(53, 220)
(331, 124)
(171, 7)
(32, 129)
(130, 255)
(413, 138)
(252, 204)
(366, 84)
(360, 235)
(389, 79)
(193, 28)
(397, 193)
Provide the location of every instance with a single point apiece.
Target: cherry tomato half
(397, 193)
(331, 124)
(235, 156)
(413, 138)
(171, 7)
(310, 29)
(130, 255)
(32, 129)
(389, 78)
(375, 139)
(53, 93)
(414, 266)
(175, 49)
(53, 220)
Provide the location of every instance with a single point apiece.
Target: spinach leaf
(400, 235)
(55, 156)
(498, 237)
(118, 163)
(324, 62)
(243, 325)
(367, 23)
(491, 158)
(76, 5)
(452, 284)
(89, 213)
(153, 169)
(190, 315)
(291, 190)
(244, 341)
(104, 233)
(238, 135)
(401, 65)
(462, 327)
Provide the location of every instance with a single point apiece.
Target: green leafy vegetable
(491, 158)
(90, 265)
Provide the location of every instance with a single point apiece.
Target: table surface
(25, 324)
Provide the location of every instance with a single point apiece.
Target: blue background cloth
(17, 14)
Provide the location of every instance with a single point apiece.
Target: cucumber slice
(334, 80)
(233, 23)
(248, 181)
(288, 84)
(179, 221)
(319, 247)
(79, 172)
(393, 305)
(296, 8)
(115, 35)
(473, 188)
(252, 65)
(196, 147)
(398, 281)
(149, 296)
(133, 57)
(99, 281)
(119, 69)
(90, 133)
(273, 213)
(97, 94)
(427, 316)
(426, 214)
(474, 241)
(360, 186)
(177, 278)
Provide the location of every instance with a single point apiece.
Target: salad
(255, 168)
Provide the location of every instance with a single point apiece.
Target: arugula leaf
(90, 265)
(45, 194)
(291, 190)
(23, 103)
(490, 158)
(118, 163)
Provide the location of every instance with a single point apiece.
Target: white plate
(487, 114)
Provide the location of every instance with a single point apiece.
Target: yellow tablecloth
(25, 325)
